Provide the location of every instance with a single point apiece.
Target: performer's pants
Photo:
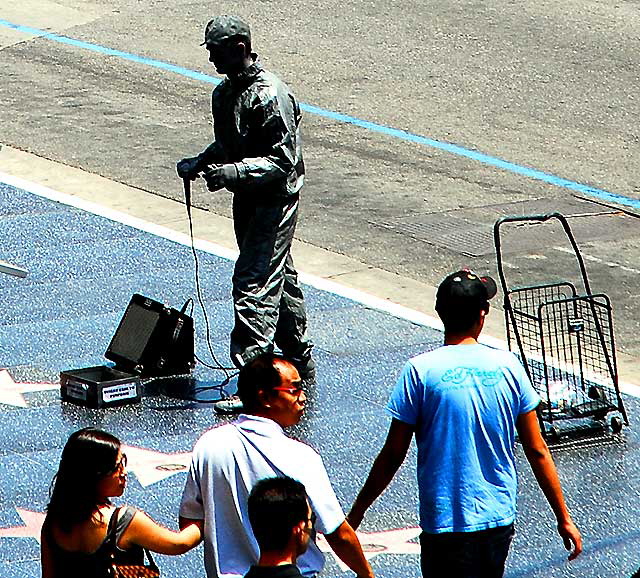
(267, 299)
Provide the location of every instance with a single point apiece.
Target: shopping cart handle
(539, 219)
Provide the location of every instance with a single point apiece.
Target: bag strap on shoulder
(111, 531)
(111, 538)
(152, 562)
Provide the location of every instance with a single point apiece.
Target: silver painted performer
(257, 156)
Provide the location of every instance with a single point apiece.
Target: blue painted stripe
(549, 178)
(477, 156)
(111, 52)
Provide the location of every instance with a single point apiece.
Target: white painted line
(117, 216)
(220, 251)
(598, 260)
(356, 295)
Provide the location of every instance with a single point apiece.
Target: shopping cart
(565, 341)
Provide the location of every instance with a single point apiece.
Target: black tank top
(95, 564)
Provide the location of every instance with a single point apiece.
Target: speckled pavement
(83, 269)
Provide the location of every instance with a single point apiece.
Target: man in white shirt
(228, 460)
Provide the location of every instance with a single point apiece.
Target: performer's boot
(306, 367)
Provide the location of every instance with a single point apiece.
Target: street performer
(257, 156)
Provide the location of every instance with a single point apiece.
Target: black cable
(196, 390)
(202, 362)
(186, 304)
(218, 387)
(219, 366)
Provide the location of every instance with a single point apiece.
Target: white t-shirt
(227, 461)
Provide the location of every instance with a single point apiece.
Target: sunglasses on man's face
(311, 527)
(296, 391)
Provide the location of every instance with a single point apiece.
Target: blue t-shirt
(464, 401)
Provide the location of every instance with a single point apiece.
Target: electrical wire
(188, 304)
(196, 390)
(218, 366)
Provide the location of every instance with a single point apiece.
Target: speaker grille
(134, 332)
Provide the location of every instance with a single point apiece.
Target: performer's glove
(218, 176)
(189, 168)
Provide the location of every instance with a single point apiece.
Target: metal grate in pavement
(470, 231)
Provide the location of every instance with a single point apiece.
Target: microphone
(186, 182)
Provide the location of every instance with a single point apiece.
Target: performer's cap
(466, 291)
(221, 28)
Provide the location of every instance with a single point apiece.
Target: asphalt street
(547, 86)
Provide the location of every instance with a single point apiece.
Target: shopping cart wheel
(600, 415)
(554, 433)
(596, 392)
(616, 424)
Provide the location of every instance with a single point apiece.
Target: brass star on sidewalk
(150, 466)
(33, 524)
(11, 393)
(395, 541)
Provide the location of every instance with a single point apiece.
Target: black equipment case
(152, 340)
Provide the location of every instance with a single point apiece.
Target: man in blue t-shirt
(464, 402)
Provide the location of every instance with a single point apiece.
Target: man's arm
(274, 126)
(212, 154)
(345, 544)
(384, 468)
(274, 132)
(544, 469)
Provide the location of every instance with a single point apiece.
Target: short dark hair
(261, 373)
(461, 319)
(276, 506)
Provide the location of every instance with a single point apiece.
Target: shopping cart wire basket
(565, 341)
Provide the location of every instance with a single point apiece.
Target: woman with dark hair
(79, 515)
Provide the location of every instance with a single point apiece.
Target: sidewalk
(396, 290)
(83, 270)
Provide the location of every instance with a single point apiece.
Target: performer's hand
(218, 176)
(188, 168)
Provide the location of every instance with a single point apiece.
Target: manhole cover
(460, 235)
(470, 231)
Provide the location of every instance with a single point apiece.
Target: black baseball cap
(466, 291)
(221, 28)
